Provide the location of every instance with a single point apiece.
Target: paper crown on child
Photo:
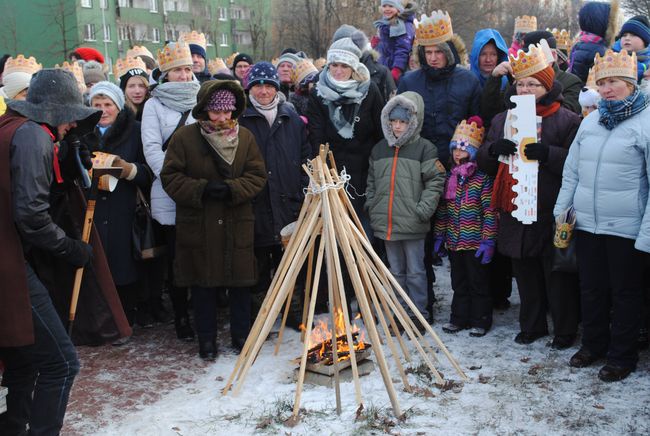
(215, 65)
(138, 50)
(231, 59)
(21, 64)
(527, 63)
(613, 64)
(122, 66)
(193, 37)
(434, 29)
(562, 39)
(468, 135)
(173, 55)
(304, 68)
(525, 24)
(77, 71)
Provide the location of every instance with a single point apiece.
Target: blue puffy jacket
(394, 52)
(447, 102)
(481, 38)
(605, 178)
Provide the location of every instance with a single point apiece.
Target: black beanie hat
(242, 57)
(536, 36)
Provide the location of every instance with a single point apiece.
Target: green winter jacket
(405, 177)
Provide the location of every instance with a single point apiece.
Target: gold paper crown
(139, 50)
(230, 59)
(434, 29)
(591, 79)
(215, 65)
(468, 134)
(562, 38)
(122, 66)
(320, 63)
(525, 24)
(77, 71)
(613, 64)
(525, 64)
(303, 69)
(20, 64)
(173, 55)
(193, 37)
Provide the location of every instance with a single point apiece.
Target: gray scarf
(179, 96)
(337, 94)
(270, 111)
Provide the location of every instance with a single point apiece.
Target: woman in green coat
(213, 169)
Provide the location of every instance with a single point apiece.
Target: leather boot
(208, 349)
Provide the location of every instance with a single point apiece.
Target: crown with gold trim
(525, 24)
(468, 134)
(20, 64)
(122, 66)
(173, 55)
(525, 64)
(613, 64)
(77, 71)
(215, 65)
(562, 38)
(230, 59)
(303, 68)
(591, 79)
(139, 50)
(433, 29)
(320, 63)
(193, 37)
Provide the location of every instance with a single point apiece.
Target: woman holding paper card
(606, 180)
(530, 246)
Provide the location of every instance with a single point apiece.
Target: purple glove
(486, 249)
(438, 245)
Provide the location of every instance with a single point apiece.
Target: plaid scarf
(613, 112)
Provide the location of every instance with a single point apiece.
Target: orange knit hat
(546, 77)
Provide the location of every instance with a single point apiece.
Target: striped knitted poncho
(467, 219)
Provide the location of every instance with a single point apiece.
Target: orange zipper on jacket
(391, 195)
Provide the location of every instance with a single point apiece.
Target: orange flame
(321, 337)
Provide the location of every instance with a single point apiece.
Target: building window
(208, 39)
(242, 38)
(125, 3)
(124, 33)
(223, 14)
(155, 35)
(86, 3)
(103, 4)
(107, 33)
(153, 6)
(237, 13)
(89, 32)
(224, 40)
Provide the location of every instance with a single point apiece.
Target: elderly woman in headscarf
(605, 179)
(344, 110)
(168, 109)
(213, 170)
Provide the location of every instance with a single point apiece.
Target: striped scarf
(613, 112)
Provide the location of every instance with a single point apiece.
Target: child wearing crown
(396, 32)
(466, 224)
(405, 180)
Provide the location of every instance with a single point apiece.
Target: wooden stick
(305, 305)
(335, 334)
(284, 320)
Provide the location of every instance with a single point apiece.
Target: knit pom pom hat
(222, 100)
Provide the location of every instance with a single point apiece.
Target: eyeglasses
(528, 85)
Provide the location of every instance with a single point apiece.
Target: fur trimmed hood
(414, 103)
(461, 50)
(211, 86)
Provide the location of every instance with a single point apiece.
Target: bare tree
(257, 27)
(61, 16)
(9, 34)
(637, 7)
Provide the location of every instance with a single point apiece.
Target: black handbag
(564, 259)
(148, 238)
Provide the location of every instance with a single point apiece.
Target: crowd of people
(423, 128)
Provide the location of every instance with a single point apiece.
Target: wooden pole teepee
(327, 225)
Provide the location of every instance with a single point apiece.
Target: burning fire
(320, 339)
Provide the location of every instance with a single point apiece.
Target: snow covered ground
(158, 387)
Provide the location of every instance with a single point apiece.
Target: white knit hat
(15, 82)
(344, 51)
(109, 90)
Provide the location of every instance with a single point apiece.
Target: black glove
(69, 168)
(217, 190)
(77, 253)
(536, 151)
(503, 147)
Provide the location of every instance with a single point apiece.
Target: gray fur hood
(415, 105)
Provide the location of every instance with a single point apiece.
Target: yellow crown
(122, 66)
(525, 24)
(77, 72)
(434, 29)
(320, 63)
(525, 64)
(591, 79)
(303, 68)
(20, 64)
(468, 134)
(230, 59)
(562, 38)
(173, 55)
(613, 64)
(216, 64)
(139, 50)
(193, 37)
